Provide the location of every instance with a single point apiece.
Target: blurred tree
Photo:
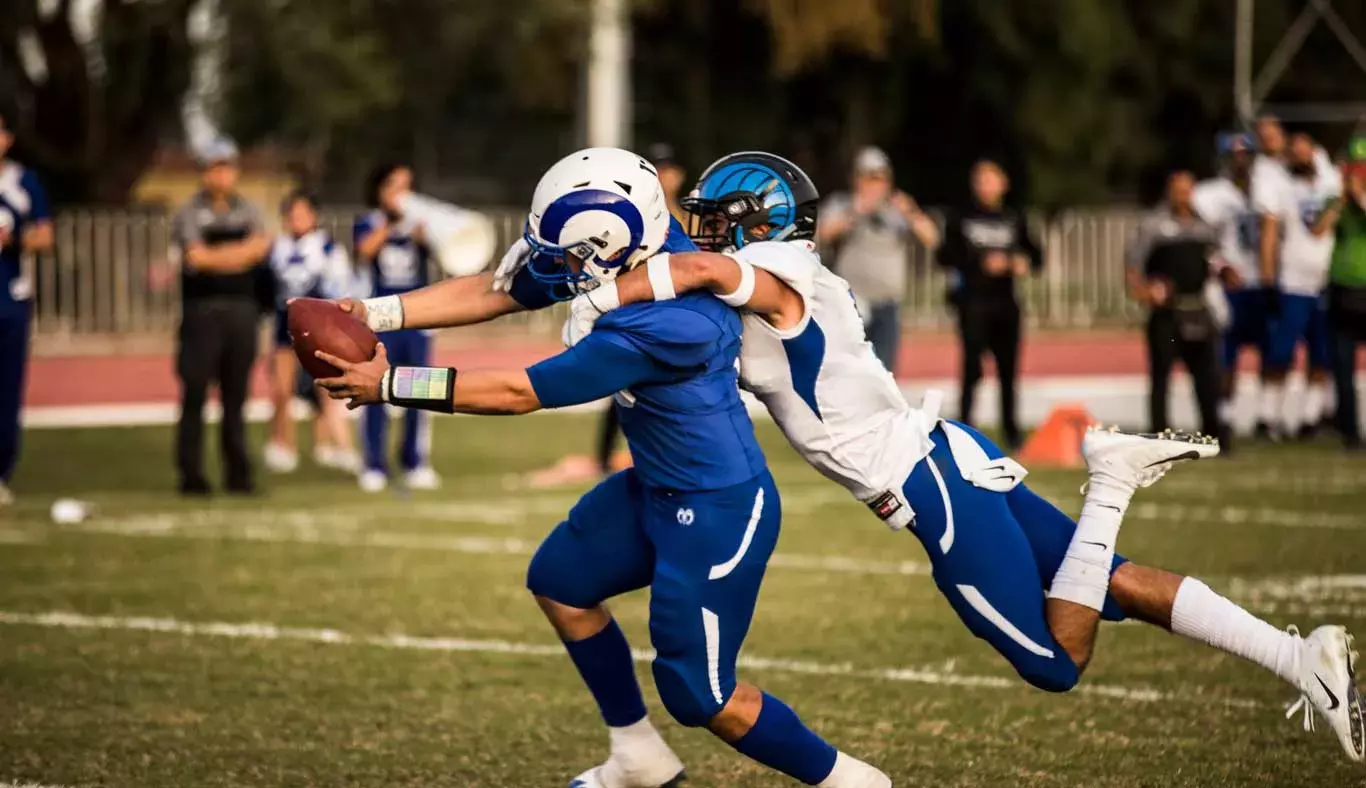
(90, 93)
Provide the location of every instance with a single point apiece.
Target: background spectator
(987, 246)
(1296, 251)
(220, 241)
(867, 234)
(1168, 265)
(305, 262)
(1347, 294)
(25, 230)
(1225, 202)
(395, 251)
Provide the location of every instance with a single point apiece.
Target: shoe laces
(1302, 703)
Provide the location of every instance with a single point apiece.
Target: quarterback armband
(661, 277)
(745, 291)
(384, 314)
(422, 388)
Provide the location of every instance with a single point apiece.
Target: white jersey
(1297, 203)
(311, 265)
(831, 397)
(1231, 212)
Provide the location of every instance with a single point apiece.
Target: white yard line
(28, 785)
(262, 631)
(294, 528)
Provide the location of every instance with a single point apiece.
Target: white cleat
(423, 478)
(640, 759)
(279, 458)
(1137, 459)
(6, 497)
(1328, 684)
(373, 481)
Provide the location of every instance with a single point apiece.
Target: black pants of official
(1200, 356)
(217, 344)
(990, 325)
(1347, 331)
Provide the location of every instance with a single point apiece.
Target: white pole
(609, 76)
(1242, 64)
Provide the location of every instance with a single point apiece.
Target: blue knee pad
(599, 551)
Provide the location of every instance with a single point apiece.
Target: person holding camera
(867, 234)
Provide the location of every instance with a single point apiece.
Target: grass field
(315, 636)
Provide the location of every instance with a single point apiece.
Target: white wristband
(384, 385)
(661, 278)
(384, 314)
(605, 297)
(745, 291)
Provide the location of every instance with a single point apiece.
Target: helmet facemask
(729, 222)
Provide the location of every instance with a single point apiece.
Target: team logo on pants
(685, 516)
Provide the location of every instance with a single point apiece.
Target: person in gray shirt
(866, 233)
(221, 243)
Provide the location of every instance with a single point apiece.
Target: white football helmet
(603, 205)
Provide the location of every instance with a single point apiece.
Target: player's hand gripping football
(359, 381)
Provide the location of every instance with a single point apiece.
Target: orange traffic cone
(1057, 442)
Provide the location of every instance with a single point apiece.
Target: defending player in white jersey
(1019, 573)
(1225, 203)
(1295, 252)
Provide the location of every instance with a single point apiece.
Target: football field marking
(264, 631)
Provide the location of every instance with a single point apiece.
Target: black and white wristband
(422, 388)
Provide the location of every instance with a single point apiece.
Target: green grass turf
(120, 706)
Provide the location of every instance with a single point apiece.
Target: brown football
(316, 324)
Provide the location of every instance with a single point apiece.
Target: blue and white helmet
(603, 205)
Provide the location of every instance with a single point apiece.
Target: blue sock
(779, 740)
(604, 662)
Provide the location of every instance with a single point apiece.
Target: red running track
(144, 378)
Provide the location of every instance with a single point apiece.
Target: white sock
(1273, 395)
(850, 772)
(1084, 575)
(633, 735)
(1200, 614)
(1315, 398)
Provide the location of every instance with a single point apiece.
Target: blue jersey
(22, 202)
(401, 264)
(671, 366)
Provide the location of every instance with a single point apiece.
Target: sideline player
(1296, 250)
(1225, 202)
(993, 543)
(305, 261)
(398, 256)
(696, 518)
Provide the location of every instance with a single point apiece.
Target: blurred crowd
(1266, 260)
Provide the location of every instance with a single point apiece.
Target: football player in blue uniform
(25, 229)
(695, 520)
(395, 250)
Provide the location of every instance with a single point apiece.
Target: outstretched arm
(591, 370)
(723, 275)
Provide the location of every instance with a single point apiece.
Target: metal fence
(109, 276)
